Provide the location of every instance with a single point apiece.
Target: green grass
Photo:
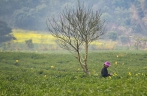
(33, 75)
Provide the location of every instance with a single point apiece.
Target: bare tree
(75, 29)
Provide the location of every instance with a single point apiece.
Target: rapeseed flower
(129, 73)
(78, 69)
(109, 77)
(143, 74)
(52, 66)
(45, 76)
(69, 91)
(16, 61)
(115, 74)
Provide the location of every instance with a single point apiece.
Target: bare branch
(76, 28)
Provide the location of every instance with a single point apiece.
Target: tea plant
(32, 74)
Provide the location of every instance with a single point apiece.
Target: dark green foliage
(139, 9)
(5, 32)
(4, 29)
(124, 39)
(113, 36)
(27, 18)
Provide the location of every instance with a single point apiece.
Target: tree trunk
(86, 57)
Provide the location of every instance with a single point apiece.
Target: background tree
(112, 35)
(5, 32)
(31, 14)
(124, 39)
(29, 44)
(76, 29)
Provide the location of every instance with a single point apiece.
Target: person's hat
(107, 63)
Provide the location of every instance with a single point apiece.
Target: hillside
(124, 18)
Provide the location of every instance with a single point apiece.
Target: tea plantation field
(58, 74)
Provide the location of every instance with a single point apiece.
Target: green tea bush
(32, 74)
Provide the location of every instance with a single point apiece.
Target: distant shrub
(29, 43)
(112, 35)
(124, 39)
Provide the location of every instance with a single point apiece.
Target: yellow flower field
(46, 38)
(40, 38)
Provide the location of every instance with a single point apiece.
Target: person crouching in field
(104, 71)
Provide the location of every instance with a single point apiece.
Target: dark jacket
(104, 72)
